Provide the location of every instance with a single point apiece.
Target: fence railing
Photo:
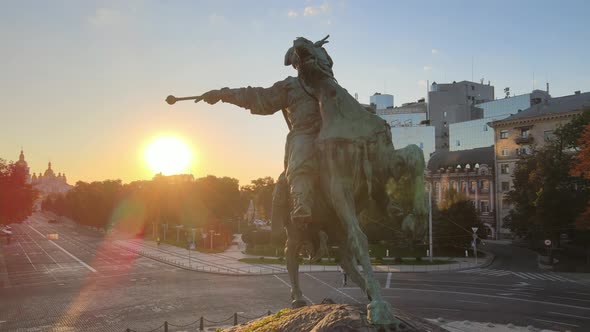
(201, 323)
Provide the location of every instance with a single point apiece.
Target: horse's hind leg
(292, 256)
(379, 311)
(349, 265)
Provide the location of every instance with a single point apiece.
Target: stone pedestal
(328, 318)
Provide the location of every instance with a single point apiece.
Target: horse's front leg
(292, 256)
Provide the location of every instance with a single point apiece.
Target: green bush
(257, 237)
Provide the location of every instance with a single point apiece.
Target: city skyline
(85, 84)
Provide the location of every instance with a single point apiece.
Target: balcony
(524, 140)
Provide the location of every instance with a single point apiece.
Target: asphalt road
(51, 285)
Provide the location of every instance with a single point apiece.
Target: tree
(453, 220)
(547, 196)
(582, 168)
(17, 197)
(260, 191)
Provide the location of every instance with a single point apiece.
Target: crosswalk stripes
(523, 275)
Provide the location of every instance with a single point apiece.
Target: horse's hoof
(381, 313)
(298, 304)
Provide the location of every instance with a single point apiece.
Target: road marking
(388, 281)
(23, 249)
(493, 297)
(289, 285)
(336, 289)
(30, 237)
(579, 293)
(67, 252)
(533, 276)
(568, 315)
(476, 302)
(521, 275)
(558, 277)
(570, 298)
(446, 309)
(554, 322)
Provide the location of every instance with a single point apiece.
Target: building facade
(477, 133)
(381, 101)
(519, 133)
(408, 126)
(48, 182)
(453, 103)
(470, 172)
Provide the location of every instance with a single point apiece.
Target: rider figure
(303, 118)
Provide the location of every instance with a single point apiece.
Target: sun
(168, 155)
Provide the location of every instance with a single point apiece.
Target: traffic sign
(547, 242)
(474, 229)
(192, 246)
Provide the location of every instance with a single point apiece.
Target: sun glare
(168, 155)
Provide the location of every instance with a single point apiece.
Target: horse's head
(310, 59)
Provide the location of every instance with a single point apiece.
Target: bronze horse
(356, 160)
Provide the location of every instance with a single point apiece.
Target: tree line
(17, 197)
(134, 207)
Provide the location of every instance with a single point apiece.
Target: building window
(473, 186)
(421, 145)
(524, 133)
(444, 114)
(505, 152)
(505, 186)
(458, 143)
(504, 168)
(484, 206)
(506, 204)
(485, 127)
(472, 88)
(548, 135)
(503, 134)
(484, 185)
(463, 186)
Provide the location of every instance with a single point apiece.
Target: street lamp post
(211, 231)
(474, 229)
(430, 221)
(165, 230)
(194, 230)
(178, 227)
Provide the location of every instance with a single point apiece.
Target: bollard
(201, 325)
(235, 318)
(165, 326)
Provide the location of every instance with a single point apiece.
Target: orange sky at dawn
(83, 83)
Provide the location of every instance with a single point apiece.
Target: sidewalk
(228, 261)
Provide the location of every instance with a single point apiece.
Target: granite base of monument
(329, 318)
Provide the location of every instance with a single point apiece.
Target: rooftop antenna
(533, 80)
(472, 68)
